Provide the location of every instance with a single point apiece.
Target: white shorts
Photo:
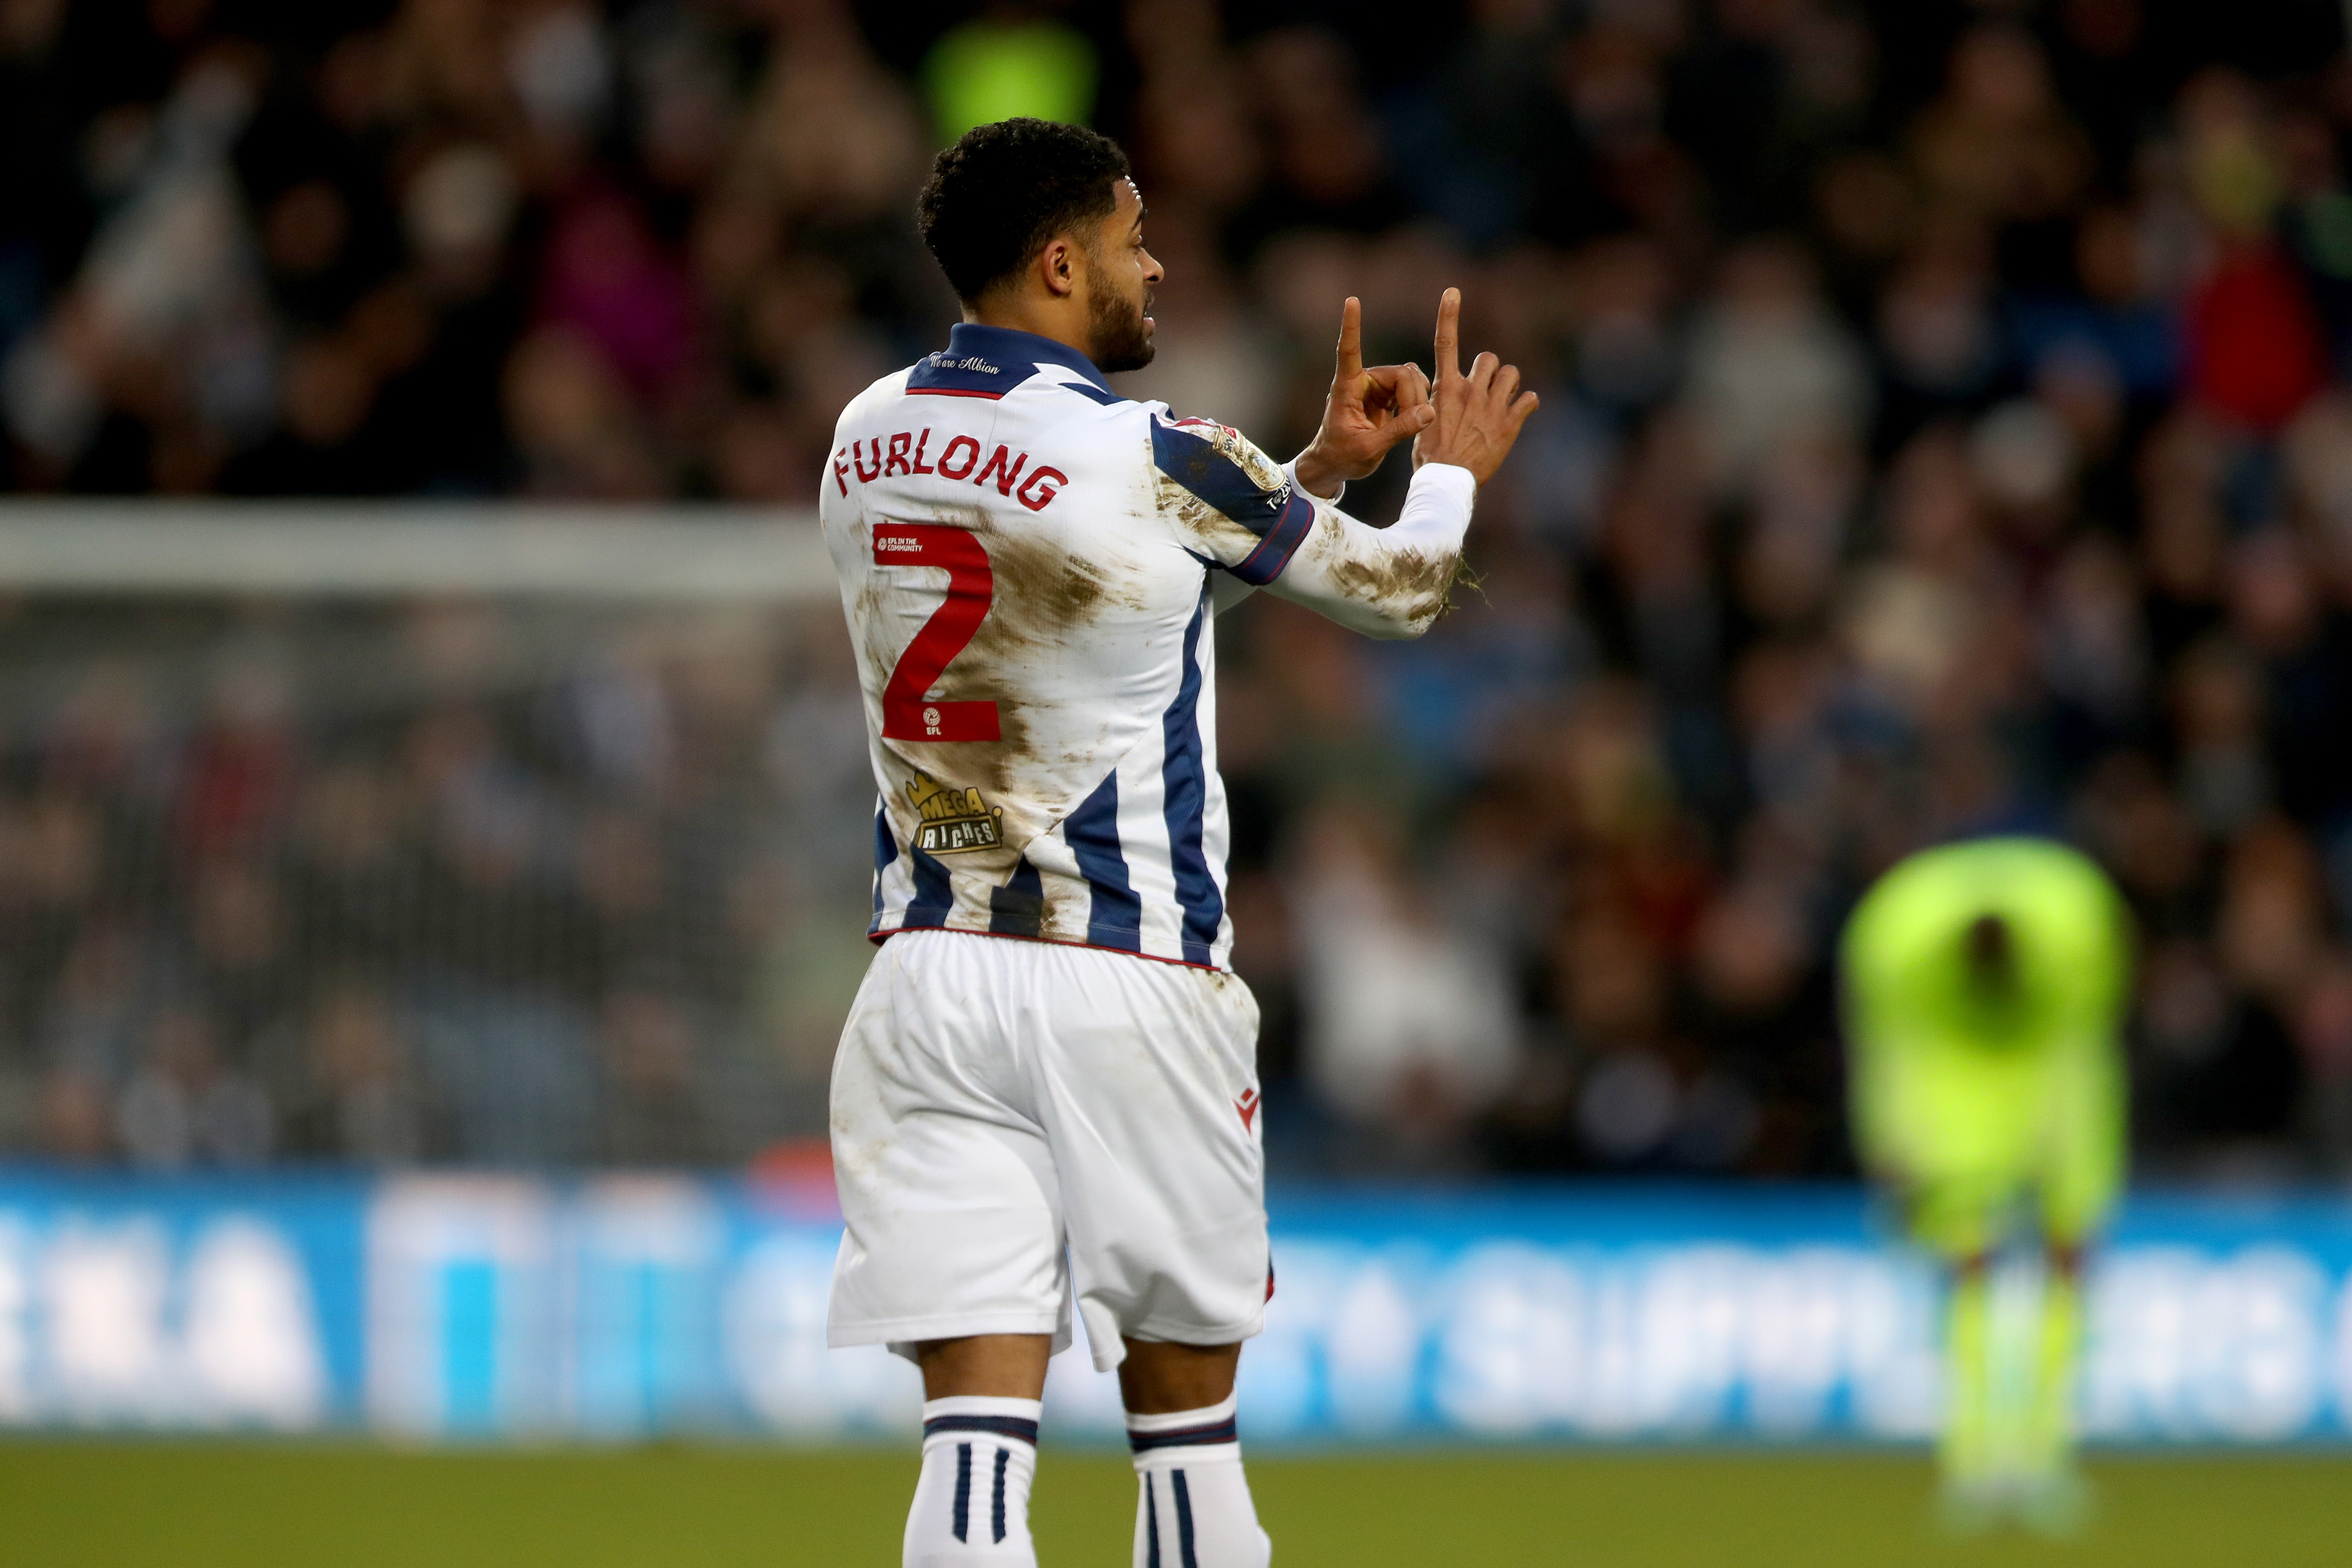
(998, 1105)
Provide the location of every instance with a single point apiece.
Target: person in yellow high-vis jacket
(1986, 984)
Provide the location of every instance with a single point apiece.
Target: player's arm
(1269, 533)
(1391, 581)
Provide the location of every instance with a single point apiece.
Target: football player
(1986, 984)
(1047, 1087)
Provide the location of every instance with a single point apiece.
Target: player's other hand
(1369, 411)
(1478, 415)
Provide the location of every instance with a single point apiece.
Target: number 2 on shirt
(906, 713)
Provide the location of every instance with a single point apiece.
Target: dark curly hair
(1003, 190)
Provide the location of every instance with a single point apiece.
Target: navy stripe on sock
(963, 1490)
(1151, 1524)
(1225, 1431)
(1003, 1457)
(994, 1426)
(1183, 1517)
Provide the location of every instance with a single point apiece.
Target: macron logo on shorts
(1247, 1105)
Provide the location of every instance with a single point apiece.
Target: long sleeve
(1387, 582)
(1243, 514)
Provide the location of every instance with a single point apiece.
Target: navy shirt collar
(971, 339)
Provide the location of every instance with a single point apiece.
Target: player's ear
(1058, 265)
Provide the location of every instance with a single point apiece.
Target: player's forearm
(1386, 582)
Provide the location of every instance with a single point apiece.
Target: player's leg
(1192, 1506)
(2047, 1494)
(1967, 1121)
(1153, 1115)
(952, 1253)
(2047, 1447)
(981, 1404)
(2086, 1148)
(1930, 1122)
(1967, 1451)
(1957, 1219)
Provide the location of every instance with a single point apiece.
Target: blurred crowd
(1944, 430)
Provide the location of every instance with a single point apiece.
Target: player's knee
(996, 1365)
(1160, 1378)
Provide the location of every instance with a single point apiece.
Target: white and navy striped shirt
(1029, 564)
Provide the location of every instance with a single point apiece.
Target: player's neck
(1051, 318)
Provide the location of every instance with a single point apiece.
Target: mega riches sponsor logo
(954, 821)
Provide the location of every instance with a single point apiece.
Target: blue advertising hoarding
(472, 1308)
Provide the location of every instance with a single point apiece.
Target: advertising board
(473, 1308)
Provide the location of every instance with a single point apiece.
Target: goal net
(409, 834)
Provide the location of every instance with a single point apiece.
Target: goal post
(703, 554)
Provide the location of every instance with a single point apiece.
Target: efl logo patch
(954, 820)
(1247, 1105)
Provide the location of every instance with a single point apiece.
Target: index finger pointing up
(1352, 343)
(1449, 335)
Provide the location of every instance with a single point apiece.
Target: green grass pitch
(82, 1504)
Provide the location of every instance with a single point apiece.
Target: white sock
(972, 1502)
(1193, 1507)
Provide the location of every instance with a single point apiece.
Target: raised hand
(1477, 416)
(1368, 412)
